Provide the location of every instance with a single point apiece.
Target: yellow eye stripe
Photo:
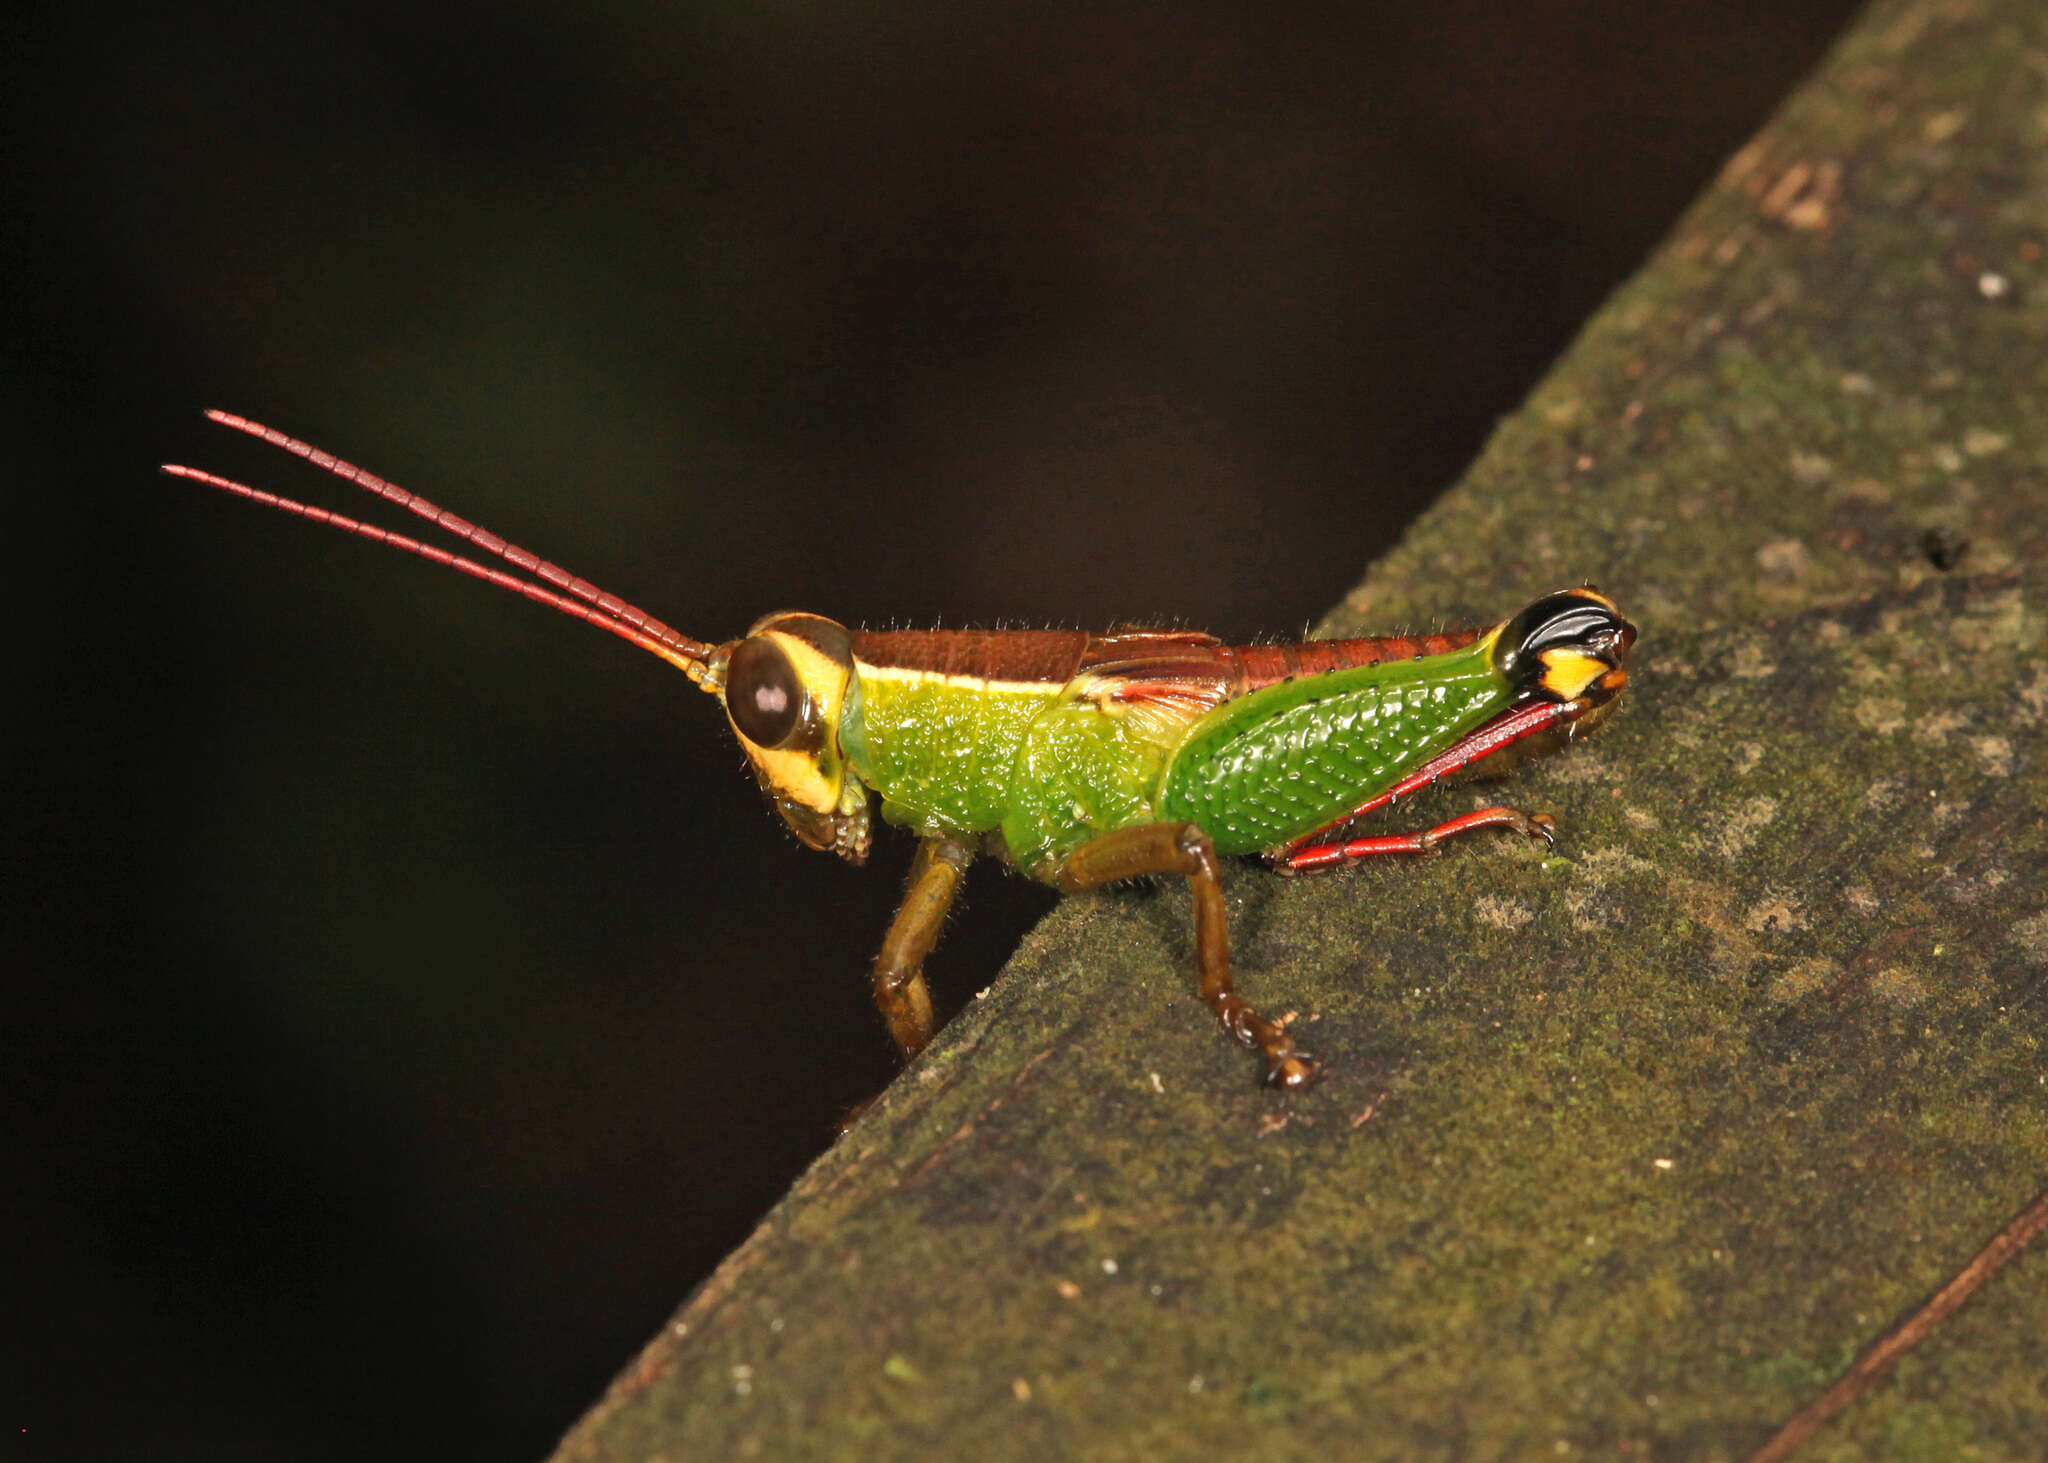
(812, 777)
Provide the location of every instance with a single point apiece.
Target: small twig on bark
(1868, 1367)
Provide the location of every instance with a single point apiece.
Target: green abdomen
(1284, 761)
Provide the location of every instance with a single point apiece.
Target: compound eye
(1578, 625)
(763, 696)
(1572, 619)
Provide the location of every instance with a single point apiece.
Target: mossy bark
(1627, 1149)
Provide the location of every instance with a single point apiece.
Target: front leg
(900, 991)
(1183, 848)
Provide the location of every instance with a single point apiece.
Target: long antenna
(600, 608)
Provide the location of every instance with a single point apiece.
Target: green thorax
(939, 749)
(1044, 764)
(1284, 761)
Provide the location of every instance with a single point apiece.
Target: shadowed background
(410, 998)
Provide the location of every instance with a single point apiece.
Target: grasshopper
(1083, 759)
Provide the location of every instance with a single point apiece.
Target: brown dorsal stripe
(1048, 656)
(1053, 657)
(1264, 665)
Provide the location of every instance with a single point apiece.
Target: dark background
(409, 999)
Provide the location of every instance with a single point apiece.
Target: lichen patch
(1502, 912)
(1993, 754)
(1590, 912)
(1749, 663)
(1803, 979)
(1885, 715)
(1784, 558)
(1736, 832)
(1934, 728)
(1996, 621)
(1776, 913)
(2031, 935)
(1899, 985)
(2033, 696)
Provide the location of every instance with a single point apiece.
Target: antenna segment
(597, 607)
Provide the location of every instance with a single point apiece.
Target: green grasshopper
(1083, 759)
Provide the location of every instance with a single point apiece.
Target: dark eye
(763, 696)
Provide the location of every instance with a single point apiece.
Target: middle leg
(900, 991)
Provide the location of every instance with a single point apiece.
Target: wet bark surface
(1627, 1149)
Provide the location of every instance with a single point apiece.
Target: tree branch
(1629, 1150)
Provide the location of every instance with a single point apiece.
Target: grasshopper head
(784, 687)
(1571, 646)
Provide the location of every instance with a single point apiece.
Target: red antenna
(604, 610)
